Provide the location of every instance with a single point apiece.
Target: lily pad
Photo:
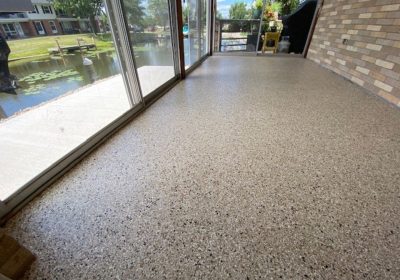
(34, 89)
(42, 76)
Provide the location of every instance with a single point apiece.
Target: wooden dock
(80, 46)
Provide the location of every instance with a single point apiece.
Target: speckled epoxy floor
(251, 168)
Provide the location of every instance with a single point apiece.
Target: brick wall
(60, 31)
(28, 28)
(360, 40)
(46, 26)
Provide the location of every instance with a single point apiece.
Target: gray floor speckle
(251, 168)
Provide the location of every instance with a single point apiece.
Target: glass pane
(195, 29)
(57, 93)
(150, 34)
(190, 31)
(204, 27)
(237, 25)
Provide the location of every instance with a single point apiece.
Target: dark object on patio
(297, 25)
(7, 81)
(251, 43)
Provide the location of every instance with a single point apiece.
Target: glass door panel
(149, 26)
(195, 17)
(237, 25)
(204, 23)
(65, 101)
(191, 31)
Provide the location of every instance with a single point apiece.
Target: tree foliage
(219, 15)
(288, 6)
(134, 12)
(186, 13)
(159, 12)
(81, 9)
(283, 7)
(238, 10)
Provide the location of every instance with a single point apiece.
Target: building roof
(15, 6)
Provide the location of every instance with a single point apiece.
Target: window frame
(35, 10)
(47, 12)
(8, 30)
(40, 32)
(53, 26)
(67, 26)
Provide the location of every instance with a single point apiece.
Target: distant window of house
(84, 26)
(60, 13)
(39, 27)
(67, 26)
(9, 29)
(53, 27)
(47, 9)
(35, 10)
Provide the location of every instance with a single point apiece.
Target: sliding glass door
(196, 16)
(66, 101)
(238, 25)
(204, 27)
(81, 87)
(151, 37)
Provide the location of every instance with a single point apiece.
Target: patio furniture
(268, 37)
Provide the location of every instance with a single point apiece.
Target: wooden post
(94, 43)
(59, 48)
(79, 44)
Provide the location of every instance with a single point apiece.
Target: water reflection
(43, 79)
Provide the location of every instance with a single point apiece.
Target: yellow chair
(271, 36)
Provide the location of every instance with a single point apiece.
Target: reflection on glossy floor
(252, 167)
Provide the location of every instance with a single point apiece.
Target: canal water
(44, 79)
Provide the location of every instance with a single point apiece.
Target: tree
(186, 13)
(288, 6)
(81, 9)
(159, 11)
(256, 9)
(134, 12)
(238, 10)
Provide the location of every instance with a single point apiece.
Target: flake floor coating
(250, 168)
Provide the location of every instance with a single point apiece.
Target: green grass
(39, 46)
